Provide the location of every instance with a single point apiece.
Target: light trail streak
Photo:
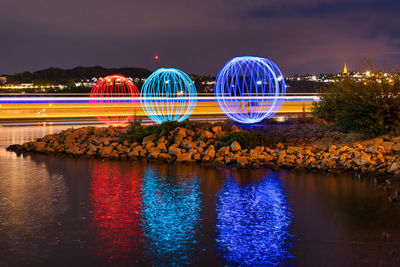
(9, 100)
(80, 108)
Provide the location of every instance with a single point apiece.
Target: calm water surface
(76, 212)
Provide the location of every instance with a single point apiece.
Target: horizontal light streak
(10, 100)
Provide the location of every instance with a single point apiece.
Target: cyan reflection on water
(253, 223)
(171, 219)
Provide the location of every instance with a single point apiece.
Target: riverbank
(308, 146)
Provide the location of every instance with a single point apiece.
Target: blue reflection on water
(253, 223)
(171, 218)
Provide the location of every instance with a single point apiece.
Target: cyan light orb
(168, 95)
(250, 89)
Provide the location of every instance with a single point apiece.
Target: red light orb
(156, 57)
(111, 99)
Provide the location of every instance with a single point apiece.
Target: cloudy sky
(301, 36)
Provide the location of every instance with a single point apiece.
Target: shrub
(249, 139)
(370, 107)
(137, 132)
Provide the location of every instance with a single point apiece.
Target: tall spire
(345, 69)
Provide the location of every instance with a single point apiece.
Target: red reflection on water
(116, 199)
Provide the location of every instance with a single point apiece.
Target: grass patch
(249, 140)
(137, 132)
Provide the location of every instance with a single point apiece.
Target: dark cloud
(197, 36)
(326, 8)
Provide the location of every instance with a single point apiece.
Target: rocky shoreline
(314, 147)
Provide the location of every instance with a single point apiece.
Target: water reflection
(253, 223)
(45, 203)
(116, 200)
(171, 217)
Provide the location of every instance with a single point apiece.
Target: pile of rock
(379, 155)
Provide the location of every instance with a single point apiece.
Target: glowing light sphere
(168, 95)
(111, 99)
(250, 89)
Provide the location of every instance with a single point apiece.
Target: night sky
(301, 36)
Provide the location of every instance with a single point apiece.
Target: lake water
(61, 211)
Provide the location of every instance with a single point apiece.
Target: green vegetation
(248, 140)
(137, 132)
(370, 107)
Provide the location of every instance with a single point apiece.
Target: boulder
(172, 147)
(280, 146)
(164, 156)
(148, 139)
(375, 149)
(136, 151)
(162, 146)
(293, 150)
(180, 133)
(190, 132)
(92, 147)
(110, 131)
(153, 153)
(242, 161)
(149, 145)
(185, 142)
(197, 156)
(235, 146)
(184, 157)
(219, 161)
(105, 152)
(394, 167)
(223, 151)
(216, 129)
(176, 151)
(363, 159)
(201, 144)
(205, 135)
(209, 154)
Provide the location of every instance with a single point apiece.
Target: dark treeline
(64, 76)
(68, 77)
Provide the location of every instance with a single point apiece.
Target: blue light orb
(168, 95)
(250, 89)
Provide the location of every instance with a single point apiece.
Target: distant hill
(63, 76)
